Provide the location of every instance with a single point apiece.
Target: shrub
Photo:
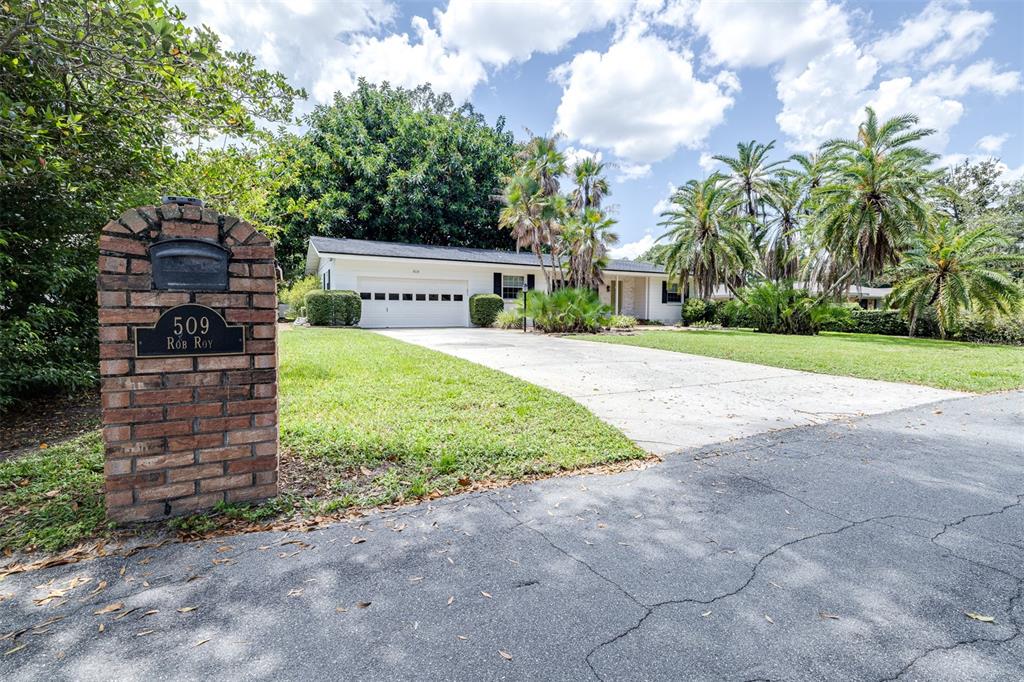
(484, 309)
(333, 308)
(732, 313)
(509, 319)
(621, 322)
(860, 321)
(782, 309)
(567, 310)
(294, 295)
(698, 310)
(979, 329)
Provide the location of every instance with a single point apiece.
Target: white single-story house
(413, 285)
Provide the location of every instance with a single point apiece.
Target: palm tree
(587, 238)
(955, 268)
(707, 235)
(591, 185)
(780, 256)
(751, 174)
(872, 200)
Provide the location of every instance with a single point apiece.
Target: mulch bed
(48, 420)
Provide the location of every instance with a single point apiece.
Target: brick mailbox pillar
(188, 361)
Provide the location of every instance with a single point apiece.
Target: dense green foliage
(399, 165)
(509, 319)
(294, 294)
(621, 322)
(780, 308)
(698, 310)
(943, 364)
(567, 310)
(484, 309)
(337, 308)
(93, 98)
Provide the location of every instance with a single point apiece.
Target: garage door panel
(406, 302)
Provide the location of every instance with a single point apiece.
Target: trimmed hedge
(888, 322)
(979, 330)
(333, 308)
(698, 310)
(484, 309)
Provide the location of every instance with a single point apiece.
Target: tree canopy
(403, 165)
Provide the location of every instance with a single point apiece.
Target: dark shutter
(328, 279)
(664, 291)
(497, 283)
(531, 282)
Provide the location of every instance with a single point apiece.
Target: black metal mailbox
(189, 265)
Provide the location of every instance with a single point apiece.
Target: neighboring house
(869, 298)
(412, 285)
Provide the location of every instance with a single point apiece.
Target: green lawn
(365, 420)
(971, 367)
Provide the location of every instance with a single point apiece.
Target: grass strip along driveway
(978, 368)
(365, 420)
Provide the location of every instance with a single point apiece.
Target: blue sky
(656, 87)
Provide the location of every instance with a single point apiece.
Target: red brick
(250, 284)
(267, 419)
(129, 315)
(250, 406)
(113, 434)
(122, 245)
(113, 367)
(192, 379)
(252, 464)
(252, 435)
(265, 477)
(197, 410)
(165, 396)
(191, 442)
(258, 492)
(191, 212)
(252, 376)
(148, 299)
(250, 315)
(111, 351)
(174, 228)
(264, 390)
(140, 266)
(114, 227)
(163, 429)
(133, 221)
(194, 473)
(119, 498)
(139, 512)
(221, 454)
(117, 467)
(225, 392)
(222, 300)
(134, 282)
(113, 334)
(263, 270)
(151, 365)
(265, 301)
(264, 361)
(166, 492)
(169, 211)
(239, 269)
(264, 331)
(117, 398)
(132, 415)
(225, 482)
(134, 448)
(143, 480)
(129, 383)
(242, 231)
(174, 459)
(190, 504)
(112, 299)
(211, 362)
(258, 239)
(223, 424)
(113, 264)
(210, 216)
(263, 449)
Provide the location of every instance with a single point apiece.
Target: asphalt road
(852, 550)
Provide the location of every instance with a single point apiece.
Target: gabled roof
(465, 254)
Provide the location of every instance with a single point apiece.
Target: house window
(512, 286)
(673, 294)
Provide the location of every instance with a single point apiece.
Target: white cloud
(633, 171)
(502, 32)
(663, 204)
(633, 249)
(708, 162)
(943, 31)
(991, 144)
(1006, 173)
(574, 155)
(640, 98)
(400, 61)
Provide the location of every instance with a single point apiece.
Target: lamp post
(525, 289)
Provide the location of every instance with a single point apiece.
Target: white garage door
(399, 302)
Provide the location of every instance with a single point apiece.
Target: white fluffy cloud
(708, 162)
(633, 171)
(502, 32)
(401, 61)
(640, 98)
(942, 32)
(664, 203)
(991, 144)
(633, 249)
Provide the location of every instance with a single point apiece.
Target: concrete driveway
(668, 401)
(847, 551)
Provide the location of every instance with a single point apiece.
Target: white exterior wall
(346, 271)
